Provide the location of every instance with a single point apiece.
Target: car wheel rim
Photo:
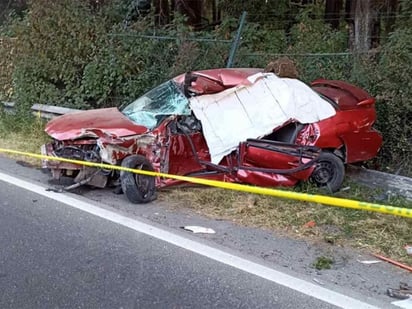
(323, 173)
(143, 183)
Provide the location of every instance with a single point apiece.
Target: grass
(25, 134)
(372, 232)
(323, 262)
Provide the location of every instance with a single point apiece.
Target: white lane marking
(265, 272)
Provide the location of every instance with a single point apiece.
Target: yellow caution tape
(322, 199)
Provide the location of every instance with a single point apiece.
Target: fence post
(236, 41)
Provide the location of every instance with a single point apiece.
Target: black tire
(329, 172)
(138, 188)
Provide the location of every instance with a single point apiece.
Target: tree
(7, 6)
(192, 9)
(365, 18)
(162, 12)
(333, 12)
(165, 9)
(390, 8)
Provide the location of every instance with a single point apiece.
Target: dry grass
(27, 136)
(372, 232)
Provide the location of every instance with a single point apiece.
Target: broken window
(150, 109)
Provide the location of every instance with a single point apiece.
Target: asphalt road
(54, 256)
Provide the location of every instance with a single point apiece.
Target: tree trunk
(192, 9)
(332, 12)
(172, 9)
(391, 8)
(362, 22)
(215, 11)
(162, 12)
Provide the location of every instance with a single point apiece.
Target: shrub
(55, 41)
(395, 98)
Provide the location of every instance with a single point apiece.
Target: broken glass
(150, 109)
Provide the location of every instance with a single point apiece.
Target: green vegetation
(22, 133)
(323, 262)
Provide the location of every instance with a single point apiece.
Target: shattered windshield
(150, 109)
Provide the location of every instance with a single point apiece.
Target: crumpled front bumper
(48, 150)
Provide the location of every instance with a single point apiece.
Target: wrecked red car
(234, 125)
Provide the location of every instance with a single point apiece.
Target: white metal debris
(198, 229)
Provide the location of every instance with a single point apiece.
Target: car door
(186, 147)
(275, 161)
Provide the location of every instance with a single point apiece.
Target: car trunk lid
(345, 95)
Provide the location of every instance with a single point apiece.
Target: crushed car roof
(252, 111)
(229, 77)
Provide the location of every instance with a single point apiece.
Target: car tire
(329, 172)
(138, 188)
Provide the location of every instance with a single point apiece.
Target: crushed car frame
(234, 125)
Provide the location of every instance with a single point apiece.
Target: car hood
(93, 123)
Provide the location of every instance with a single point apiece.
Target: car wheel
(138, 188)
(329, 172)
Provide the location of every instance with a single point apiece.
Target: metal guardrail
(392, 183)
(42, 110)
(51, 111)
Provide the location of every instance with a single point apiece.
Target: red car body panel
(346, 95)
(217, 80)
(226, 77)
(351, 127)
(105, 121)
(180, 154)
(255, 162)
